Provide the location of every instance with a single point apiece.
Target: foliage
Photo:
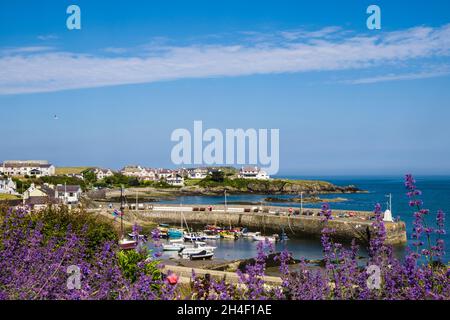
(89, 176)
(55, 180)
(129, 263)
(37, 248)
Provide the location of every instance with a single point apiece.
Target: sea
(436, 195)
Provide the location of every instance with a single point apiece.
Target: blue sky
(347, 100)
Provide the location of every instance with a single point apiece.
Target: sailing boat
(174, 233)
(124, 244)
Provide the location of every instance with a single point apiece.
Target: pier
(296, 223)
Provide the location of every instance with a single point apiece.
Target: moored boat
(136, 236)
(175, 233)
(173, 246)
(126, 244)
(194, 237)
(198, 248)
(203, 255)
(265, 238)
(212, 237)
(251, 234)
(228, 235)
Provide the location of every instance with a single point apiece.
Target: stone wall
(295, 226)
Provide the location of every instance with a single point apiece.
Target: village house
(132, 171)
(68, 194)
(197, 173)
(149, 174)
(163, 174)
(253, 173)
(175, 180)
(39, 197)
(103, 173)
(8, 186)
(32, 168)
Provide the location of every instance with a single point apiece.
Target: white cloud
(42, 71)
(401, 76)
(46, 37)
(24, 50)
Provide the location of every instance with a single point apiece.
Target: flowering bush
(36, 252)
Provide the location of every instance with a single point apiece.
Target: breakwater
(348, 225)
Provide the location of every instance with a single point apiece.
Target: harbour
(270, 220)
(301, 245)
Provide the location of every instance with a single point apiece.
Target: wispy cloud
(401, 76)
(30, 71)
(47, 37)
(24, 50)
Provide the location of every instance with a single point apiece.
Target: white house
(175, 180)
(164, 174)
(8, 186)
(132, 171)
(103, 173)
(198, 173)
(253, 173)
(149, 174)
(68, 194)
(32, 168)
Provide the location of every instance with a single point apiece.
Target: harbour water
(436, 195)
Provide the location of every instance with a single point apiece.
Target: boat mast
(301, 202)
(122, 208)
(137, 200)
(226, 207)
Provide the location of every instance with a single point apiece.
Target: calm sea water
(436, 195)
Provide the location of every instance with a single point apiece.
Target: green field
(70, 170)
(8, 197)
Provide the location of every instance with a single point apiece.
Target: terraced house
(31, 168)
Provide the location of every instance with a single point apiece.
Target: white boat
(176, 240)
(198, 248)
(264, 238)
(204, 255)
(251, 234)
(136, 236)
(194, 237)
(173, 246)
(212, 237)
